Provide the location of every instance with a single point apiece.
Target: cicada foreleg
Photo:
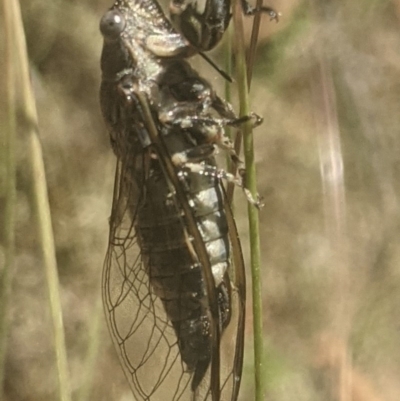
(205, 127)
(204, 23)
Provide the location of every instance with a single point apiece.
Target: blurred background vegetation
(327, 81)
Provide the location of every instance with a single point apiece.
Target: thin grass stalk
(40, 198)
(8, 161)
(251, 54)
(228, 64)
(254, 237)
(94, 337)
(228, 97)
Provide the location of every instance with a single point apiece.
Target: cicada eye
(112, 24)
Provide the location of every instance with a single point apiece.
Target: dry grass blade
(39, 197)
(7, 158)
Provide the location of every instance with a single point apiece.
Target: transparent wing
(142, 333)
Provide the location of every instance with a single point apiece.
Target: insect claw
(258, 120)
(255, 201)
(248, 9)
(260, 202)
(273, 15)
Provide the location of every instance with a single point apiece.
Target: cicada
(173, 279)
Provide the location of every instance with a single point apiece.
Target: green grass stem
(254, 237)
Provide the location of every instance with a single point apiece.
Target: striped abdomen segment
(176, 276)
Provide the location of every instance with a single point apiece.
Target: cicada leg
(204, 23)
(248, 9)
(186, 164)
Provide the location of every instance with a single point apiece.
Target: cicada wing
(233, 337)
(143, 335)
(230, 359)
(141, 332)
(222, 379)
